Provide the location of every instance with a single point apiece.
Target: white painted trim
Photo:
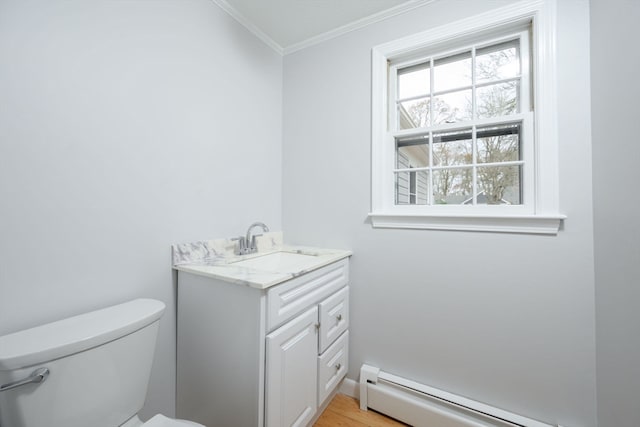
(544, 216)
(244, 21)
(379, 158)
(514, 13)
(526, 224)
(545, 97)
(350, 388)
(356, 25)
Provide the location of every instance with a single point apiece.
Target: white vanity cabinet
(261, 357)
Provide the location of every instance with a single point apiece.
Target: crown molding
(356, 25)
(244, 21)
(331, 34)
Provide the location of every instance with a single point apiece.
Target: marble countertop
(274, 262)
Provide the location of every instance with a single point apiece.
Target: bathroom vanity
(263, 338)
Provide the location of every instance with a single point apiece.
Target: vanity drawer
(290, 298)
(333, 365)
(334, 318)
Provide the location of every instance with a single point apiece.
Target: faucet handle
(242, 244)
(254, 244)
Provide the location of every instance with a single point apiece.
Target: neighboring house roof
(406, 122)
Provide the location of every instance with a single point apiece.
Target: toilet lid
(162, 421)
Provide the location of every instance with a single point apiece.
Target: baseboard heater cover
(423, 406)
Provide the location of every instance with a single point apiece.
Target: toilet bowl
(160, 421)
(87, 370)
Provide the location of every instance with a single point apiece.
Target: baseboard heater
(422, 406)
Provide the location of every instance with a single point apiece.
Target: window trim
(543, 216)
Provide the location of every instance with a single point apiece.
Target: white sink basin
(277, 262)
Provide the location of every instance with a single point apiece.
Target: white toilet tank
(99, 365)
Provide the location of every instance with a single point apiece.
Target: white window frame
(540, 214)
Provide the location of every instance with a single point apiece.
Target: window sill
(527, 224)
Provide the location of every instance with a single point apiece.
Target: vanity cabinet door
(291, 372)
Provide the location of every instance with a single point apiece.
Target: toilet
(90, 370)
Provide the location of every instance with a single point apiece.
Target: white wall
(126, 126)
(616, 153)
(501, 318)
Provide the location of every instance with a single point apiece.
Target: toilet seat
(162, 421)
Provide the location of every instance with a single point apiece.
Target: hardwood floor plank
(333, 419)
(345, 411)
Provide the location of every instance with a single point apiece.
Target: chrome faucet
(247, 244)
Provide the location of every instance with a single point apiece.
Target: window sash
(424, 134)
(402, 67)
(526, 176)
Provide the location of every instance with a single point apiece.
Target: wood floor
(344, 411)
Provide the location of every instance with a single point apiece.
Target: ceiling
(289, 25)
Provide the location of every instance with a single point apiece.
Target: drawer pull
(338, 366)
(339, 317)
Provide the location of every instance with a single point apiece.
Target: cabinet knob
(338, 366)
(339, 317)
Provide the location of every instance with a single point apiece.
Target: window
(463, 123)
(459, 119)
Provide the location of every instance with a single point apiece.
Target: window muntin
(466, 112)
